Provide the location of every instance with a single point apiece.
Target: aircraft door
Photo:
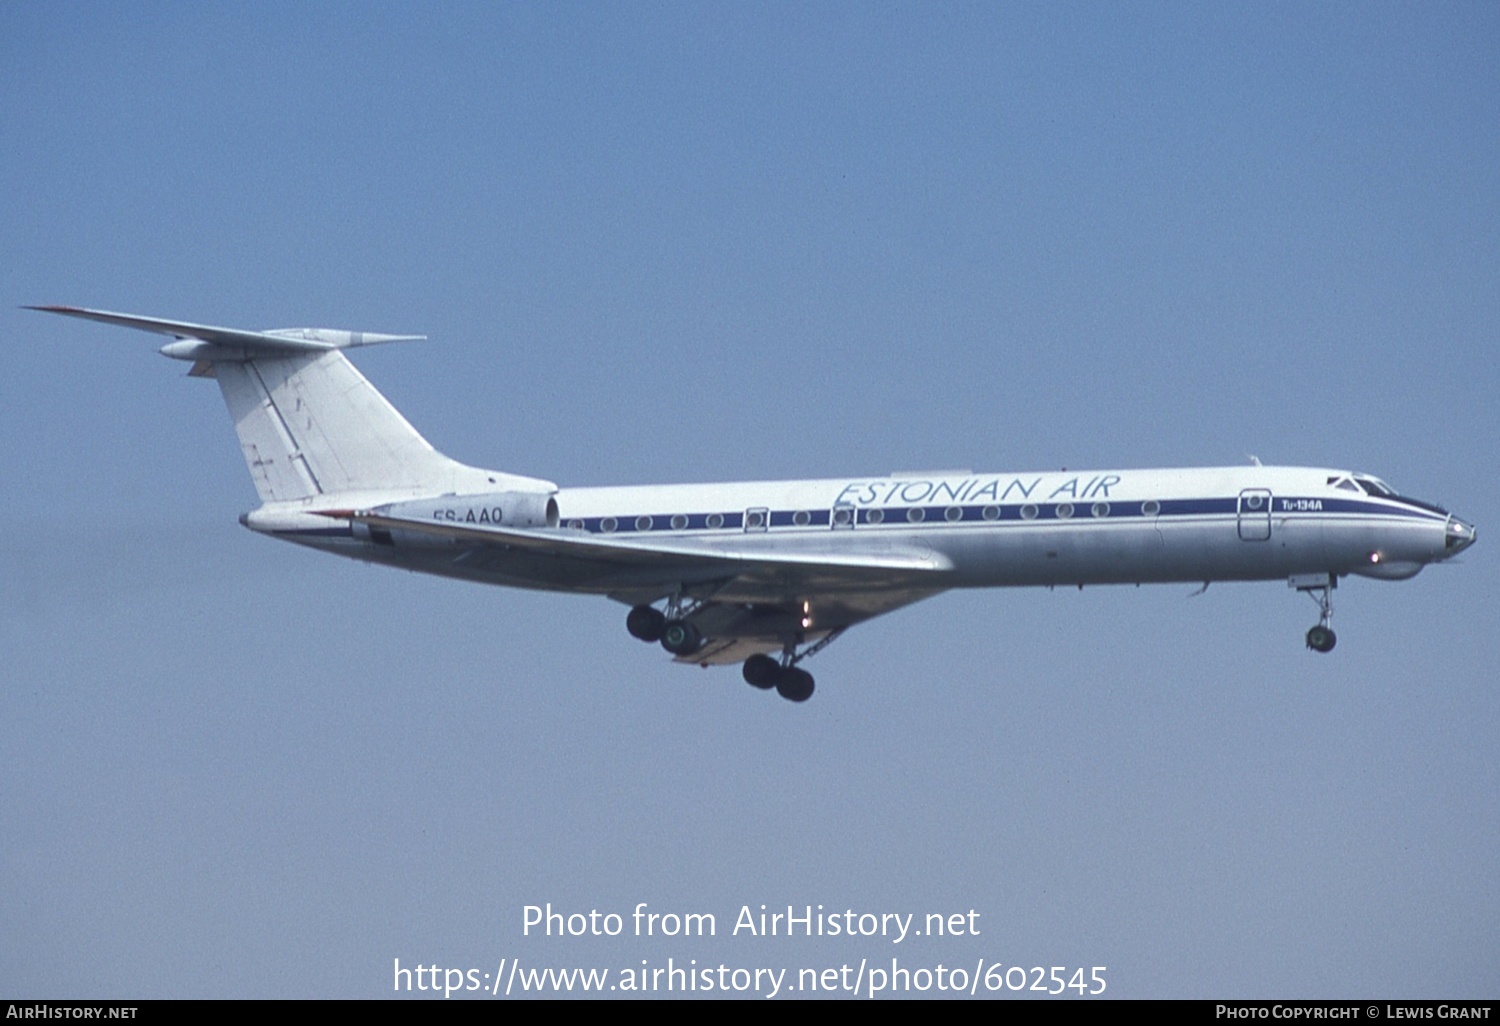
(1255, 514)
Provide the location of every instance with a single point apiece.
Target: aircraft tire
(795, 685)
(761, 671)
(1321, 639)
(681, 637)
(645, 623)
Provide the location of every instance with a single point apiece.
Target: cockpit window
(1375, 486)
(1378, 488)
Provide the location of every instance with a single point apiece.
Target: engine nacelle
(489, 509)
(492, 509)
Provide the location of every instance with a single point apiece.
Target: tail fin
(309, 423)
(313, 425)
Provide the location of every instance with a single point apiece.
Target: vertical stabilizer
(309, 423)
(312, 424)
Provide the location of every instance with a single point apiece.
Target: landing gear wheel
(762, 671)
(681, 637)
(1319, 588)
(1321, 639)
(646, 623)
(795, 685)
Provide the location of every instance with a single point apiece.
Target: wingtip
(67, 311)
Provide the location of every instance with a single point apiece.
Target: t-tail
(315, 433)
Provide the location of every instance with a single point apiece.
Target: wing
(744, 599)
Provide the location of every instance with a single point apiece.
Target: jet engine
(486, 510)
(493, 509)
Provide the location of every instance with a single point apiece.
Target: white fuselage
(983, 530)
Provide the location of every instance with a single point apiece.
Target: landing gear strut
(1319, 587)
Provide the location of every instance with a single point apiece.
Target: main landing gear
(678, 636)
(790, 681)
(681, 637)
(1319, 587)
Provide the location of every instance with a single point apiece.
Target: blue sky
(689, 242)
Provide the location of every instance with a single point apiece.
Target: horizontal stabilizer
(279, 342)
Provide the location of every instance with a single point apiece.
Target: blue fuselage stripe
(1056, 512)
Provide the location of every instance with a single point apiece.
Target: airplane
(766, 574)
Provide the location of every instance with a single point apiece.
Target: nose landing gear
(1321, 639)
(1319, 587)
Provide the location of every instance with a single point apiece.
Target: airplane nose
(1460, 536)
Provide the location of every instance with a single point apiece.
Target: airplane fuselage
(722, 573)
(964, 529)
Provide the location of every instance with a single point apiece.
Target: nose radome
(1460, 536)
